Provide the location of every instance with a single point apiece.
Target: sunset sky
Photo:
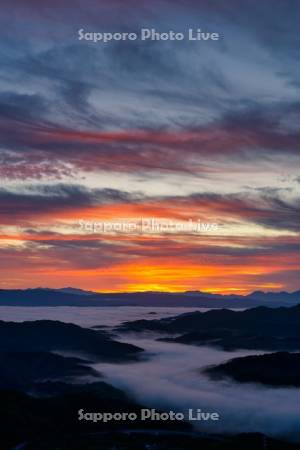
(126, 132)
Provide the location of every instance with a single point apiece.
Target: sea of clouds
(170, 375)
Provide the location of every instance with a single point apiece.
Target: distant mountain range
(76, 297)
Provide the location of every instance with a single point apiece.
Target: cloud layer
(139, 130)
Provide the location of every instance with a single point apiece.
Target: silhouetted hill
(51, 336)
(275, 369)
(257, 328)
(21, 370)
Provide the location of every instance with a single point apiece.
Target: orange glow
(131, 263)
(153, 276)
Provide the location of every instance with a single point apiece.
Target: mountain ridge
(77, 297)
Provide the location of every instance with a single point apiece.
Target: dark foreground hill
(41, 392)
(23, 369)
(258, 328)
(55, 336)
(275, 369)
(51, 423)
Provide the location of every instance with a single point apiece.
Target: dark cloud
(267, 208)
(264, 207)
(55, 199)
(141, 150)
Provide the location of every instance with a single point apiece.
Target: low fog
(171, 379)
(170, 376)
(109, 316)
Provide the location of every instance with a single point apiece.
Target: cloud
(167, 129)
(42, 200)
(140, 150)
(163, 383)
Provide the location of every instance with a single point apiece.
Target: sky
(97, 137)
